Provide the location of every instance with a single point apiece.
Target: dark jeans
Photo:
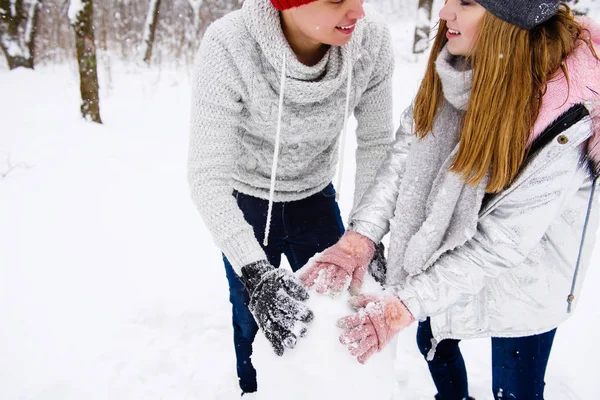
(518, 365)
(299, 229)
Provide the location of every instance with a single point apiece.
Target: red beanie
(286, 4)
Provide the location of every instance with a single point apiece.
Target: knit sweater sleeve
(374, 114)
(215, 119)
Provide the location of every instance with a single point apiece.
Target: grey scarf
(436, 210)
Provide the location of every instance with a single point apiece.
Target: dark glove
(378, 264)
(276, 301)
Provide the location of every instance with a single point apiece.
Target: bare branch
(11, 167)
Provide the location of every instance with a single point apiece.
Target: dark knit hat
(525, 14)
(286, 4)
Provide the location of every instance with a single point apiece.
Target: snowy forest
(111, 286)
(154, 32)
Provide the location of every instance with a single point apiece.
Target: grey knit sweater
(235, 112)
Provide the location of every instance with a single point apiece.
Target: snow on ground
(111, 287)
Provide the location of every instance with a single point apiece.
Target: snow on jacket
(513, 275)
(235, 113)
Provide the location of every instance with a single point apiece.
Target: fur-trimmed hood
(583, 88)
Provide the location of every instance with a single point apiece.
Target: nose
(447, 13)
(355, 10)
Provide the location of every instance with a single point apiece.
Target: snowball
(320, 367)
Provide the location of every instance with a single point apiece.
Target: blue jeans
(299, 229)
(518, 365)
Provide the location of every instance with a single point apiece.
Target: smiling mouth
(453, 32)
(347, 27)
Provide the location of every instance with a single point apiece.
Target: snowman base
(320, 367)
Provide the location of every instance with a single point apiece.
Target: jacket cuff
(412, 302)
(368, 229)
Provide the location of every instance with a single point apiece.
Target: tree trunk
(195, 5)
(149, 30)
(17, 31)
(81, 17)
(423, 28)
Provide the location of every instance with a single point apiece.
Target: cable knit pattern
(234, 118)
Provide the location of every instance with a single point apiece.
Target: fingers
(360, 318)
(325, 279)
(290, 341)
(283, 327)
(288, 312)
(304, 314)
(274, 337)
(358, 277)
(295, 289)
(366, 355)
(378, 265)
(356, 335)
(280, 311)
(311, 274)
(296, 310)
(364, 346)
(362, 300)
(340, 281)
(295, 325)
(300, 329)
(361, 341)
(333, 280)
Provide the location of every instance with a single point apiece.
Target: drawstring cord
(276, 154)
(343, 138)
(277, 139)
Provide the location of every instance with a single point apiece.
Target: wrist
(253, 273)
(395, 313)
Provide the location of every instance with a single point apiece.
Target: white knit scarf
(436, 210)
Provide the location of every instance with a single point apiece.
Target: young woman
(275, 84)
(487, 194)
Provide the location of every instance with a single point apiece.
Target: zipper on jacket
(571, 296)
(569, 118)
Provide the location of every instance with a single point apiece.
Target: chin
(336, 41)
(456, 52)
